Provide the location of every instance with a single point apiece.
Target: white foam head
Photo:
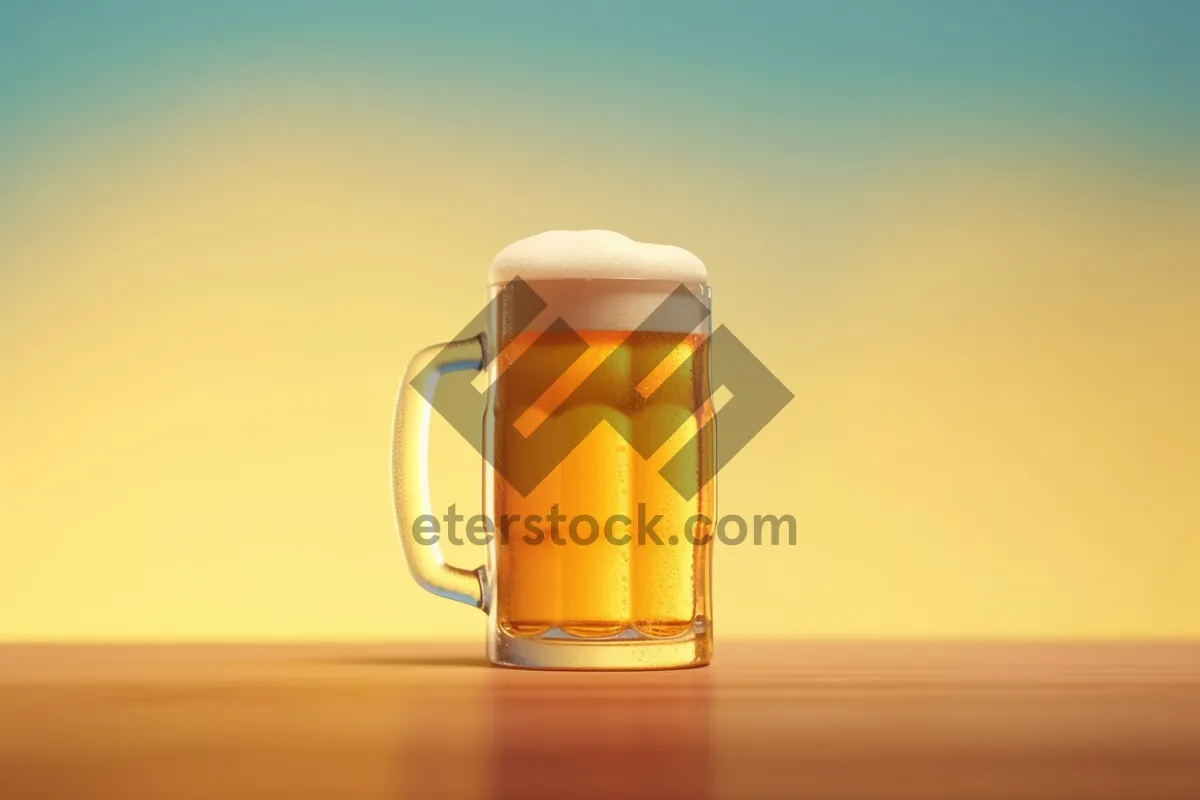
(594, 255)
(600, 280)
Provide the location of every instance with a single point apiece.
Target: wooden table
(790, 720)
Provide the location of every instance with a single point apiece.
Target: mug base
(558, 651)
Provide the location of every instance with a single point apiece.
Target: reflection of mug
(597, 433)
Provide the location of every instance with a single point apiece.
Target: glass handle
(410, 471)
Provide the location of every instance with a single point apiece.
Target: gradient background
(966, 235)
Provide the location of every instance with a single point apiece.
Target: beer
(597, 437)
(603, 545)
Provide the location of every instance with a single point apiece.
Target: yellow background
(994, 346)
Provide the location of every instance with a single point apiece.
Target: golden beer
(604, 545)
(592, 412)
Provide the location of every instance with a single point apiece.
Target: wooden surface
(797, 720)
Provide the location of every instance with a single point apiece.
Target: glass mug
(598, 439)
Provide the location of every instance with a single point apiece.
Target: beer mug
(597, 435)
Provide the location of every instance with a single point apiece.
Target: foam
(594, 255)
